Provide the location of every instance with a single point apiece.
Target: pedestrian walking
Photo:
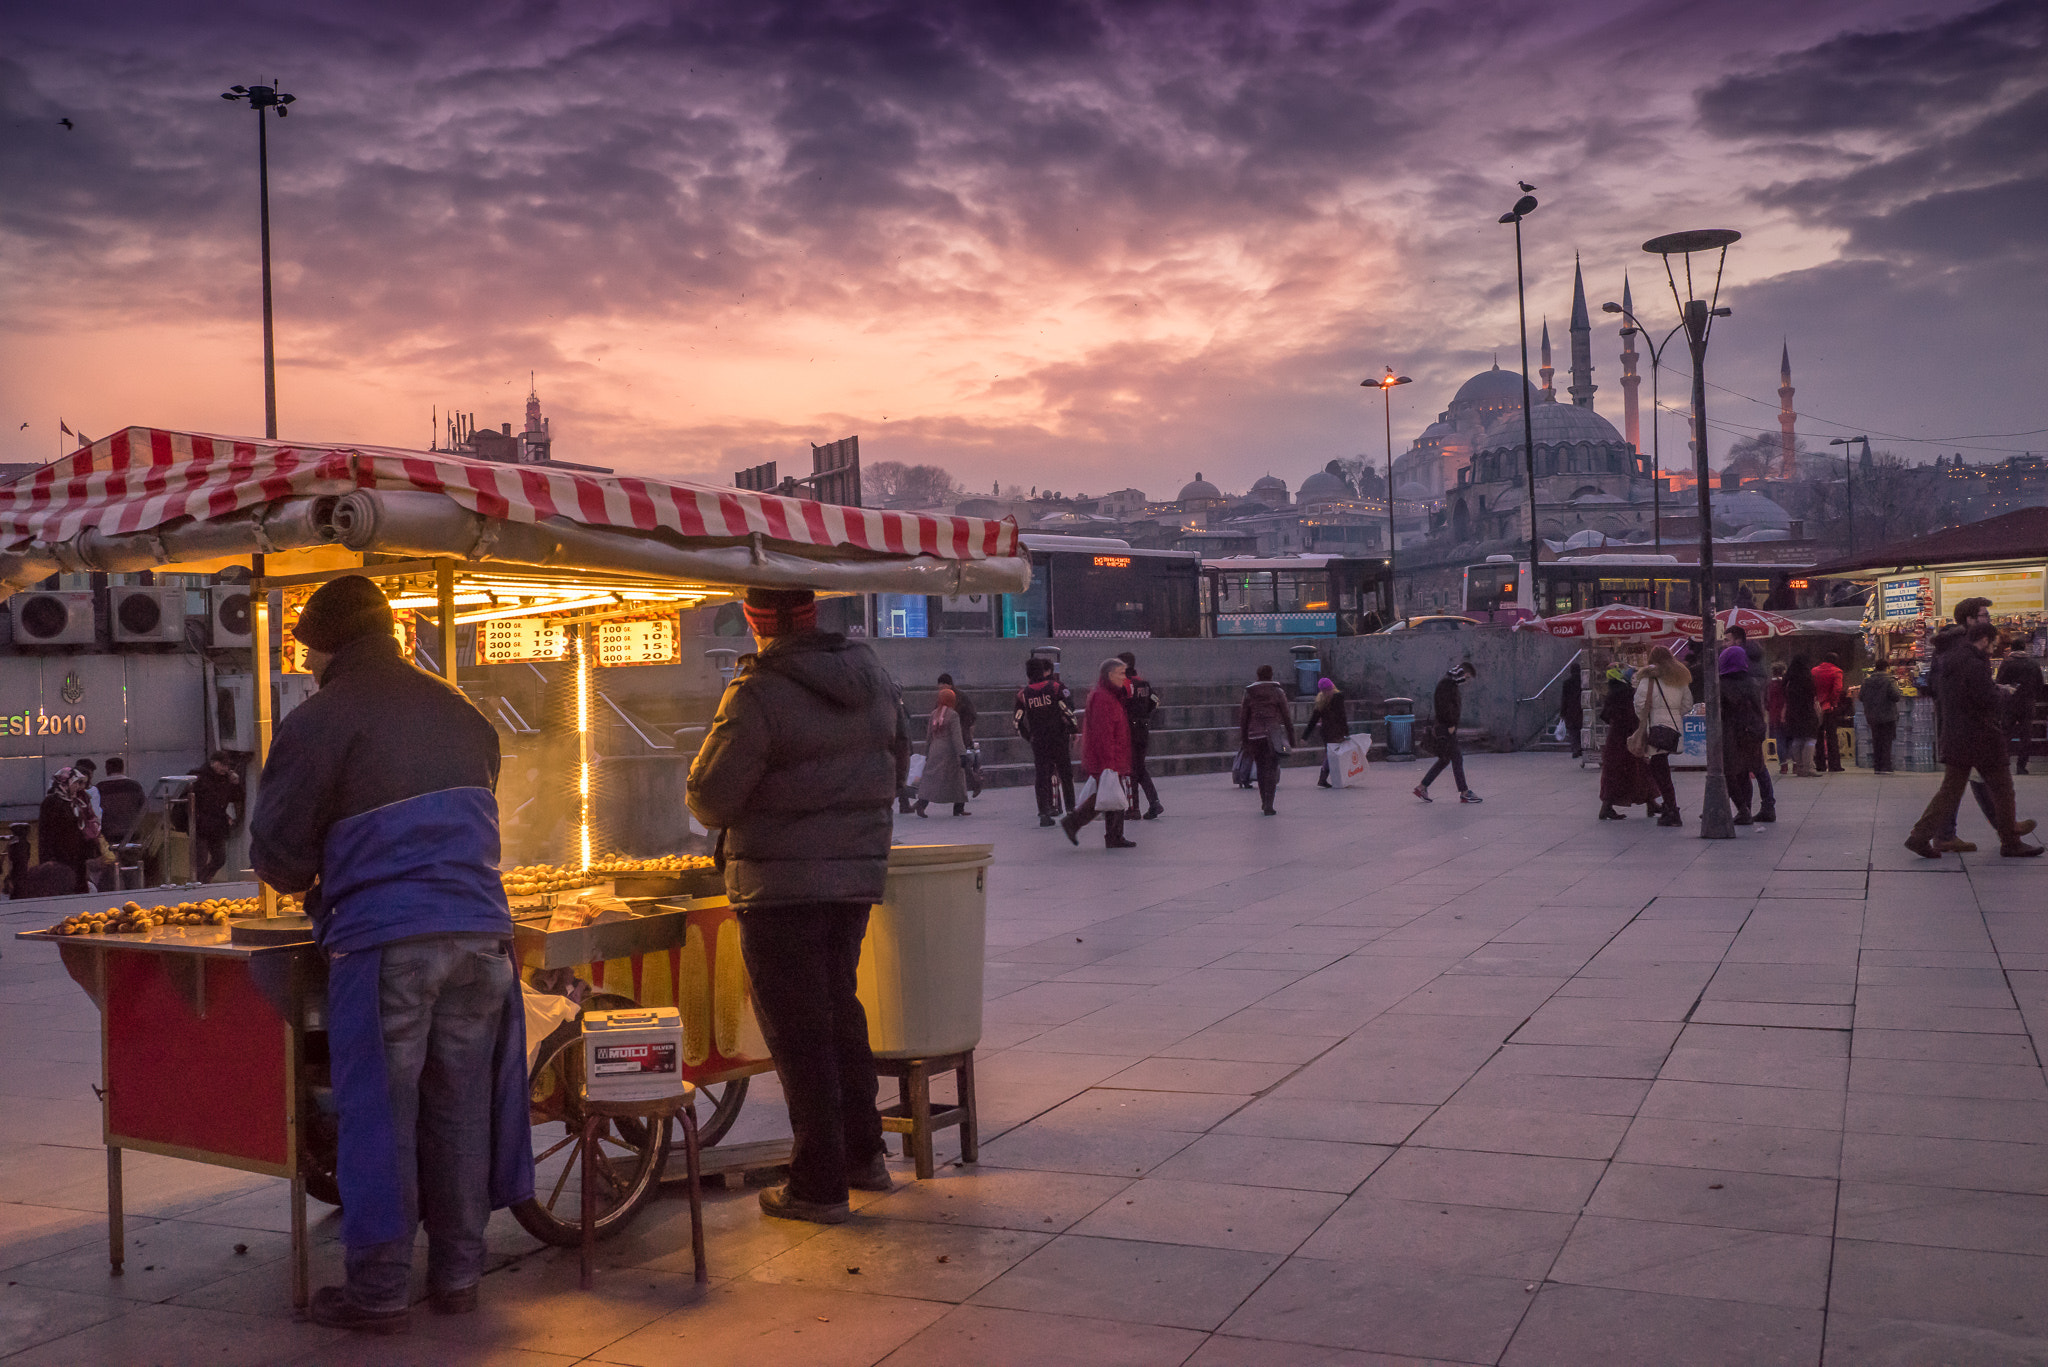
(970, 755)
(1571, 710)
(1742, 733)
(1044, 717)
(1105, 759)
(1831, 697)
(1759, 681)
(1141, 700)
(1972, 737)
(1265, 731)
(215, 792)
(1624, 776)
(797, 770)
(2021, 673)
(1774, 715)
(1444, 731)
(1802, 715)
(377, 805)
(1881, 696)
(1329, 717)
(945, 777)
(1955, 636)
(1663, 697)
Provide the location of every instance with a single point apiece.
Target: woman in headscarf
(1106, 758)
(1802, 714)
(60, 826)
(1624, 777)
(944, 780)
(1663, 697)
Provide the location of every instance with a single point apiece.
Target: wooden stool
(595, 1114)
(913, 1117)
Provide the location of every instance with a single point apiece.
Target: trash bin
(1400, 714)
(1308, 670)
(920, 966)
(128, 867)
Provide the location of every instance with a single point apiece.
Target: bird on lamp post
(263, 99)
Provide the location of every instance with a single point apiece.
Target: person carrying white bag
(1329, 716)
(1106, 758)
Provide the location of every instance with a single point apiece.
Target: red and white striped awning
(123, 488)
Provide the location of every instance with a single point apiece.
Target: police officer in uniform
(1044, 717)
(1139, 704)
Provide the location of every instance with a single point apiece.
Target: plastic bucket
(920, 966)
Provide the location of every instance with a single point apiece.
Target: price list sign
(509, 640)
(638, 643)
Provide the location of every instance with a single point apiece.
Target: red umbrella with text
(1756, 623)
(1615, 622)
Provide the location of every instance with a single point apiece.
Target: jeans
(1141, 777)
(1447, 752)
(1051, 765)
(1802, 756)
(1940, 816)
(210, 857)
(441, 997)
(1882, 734)
(1266, 763)
(803, 959)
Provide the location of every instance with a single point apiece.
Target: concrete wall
(147, 708)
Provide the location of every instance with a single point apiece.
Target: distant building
(532, 445)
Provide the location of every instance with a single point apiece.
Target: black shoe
(919, 808)
(1768, 815)
(461, 1302)
(1119, 844)
(1607, 813)
(1153, 814)
(332, 1307)
(1671, 818)
(1744, 819)
(873, 1176)
(778, 1202)
(1045, 819)
(1268, 811)
(1072, 828)
(1322, 783)
(960, 809)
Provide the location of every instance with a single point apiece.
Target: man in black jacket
(1139, 704)
(797, 771)
(2021, 673)
(377, 804)
(1972, 737)
(217, 789)
(1044, 717)
(1450, 711)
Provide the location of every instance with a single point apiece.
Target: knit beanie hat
(1734, 660)
(343, 610)
(781, 612)
(1326, 685)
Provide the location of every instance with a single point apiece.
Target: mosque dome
(1554, 424)
(1492, 389)
(1324, 487)
(1270, 490)
(1200, 491)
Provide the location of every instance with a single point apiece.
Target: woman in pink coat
(1105, 750)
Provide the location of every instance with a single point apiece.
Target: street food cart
(213, 1041)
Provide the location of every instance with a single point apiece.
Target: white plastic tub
(920, 967)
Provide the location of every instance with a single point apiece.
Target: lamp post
(1697, 317)
(1525, 206)
(1849, 481)
(1656, 411)
(1385, 384)
(263, 98)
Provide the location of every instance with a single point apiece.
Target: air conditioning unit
(231, 616)
(234, 712)
(154, 613)
(63, 618)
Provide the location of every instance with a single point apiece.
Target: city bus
(1295, 595)
(1643, 580)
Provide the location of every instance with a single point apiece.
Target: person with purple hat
(1742, 731)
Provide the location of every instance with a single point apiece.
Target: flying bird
(65, 122)
(22, 428)
(1527, 188)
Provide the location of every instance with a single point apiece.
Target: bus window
(1303, 591)
(1245, 591)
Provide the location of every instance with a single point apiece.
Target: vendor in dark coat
(1624, 776)
(377, 805)
(1972, 737)
(798, 771)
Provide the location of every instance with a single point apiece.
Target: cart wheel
(628, 1172)
(726, 1098)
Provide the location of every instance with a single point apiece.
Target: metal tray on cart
(654, 925)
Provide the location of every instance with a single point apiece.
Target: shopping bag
(1242, 772)
(1347, 763)
(1560, 732)
(916, 771)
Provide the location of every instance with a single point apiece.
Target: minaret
(1548, 393)
(1631, 421)
(1582, 342)
(1788, 463)
(534, 422)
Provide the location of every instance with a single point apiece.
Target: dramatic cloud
(1077, 245)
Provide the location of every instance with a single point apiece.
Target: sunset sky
(1079, 246)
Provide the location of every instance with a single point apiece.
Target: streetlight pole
(263, 98)
(1849, 480)
(1656, 411)
(1385, 384)
(1525, 206)
(1697, 316)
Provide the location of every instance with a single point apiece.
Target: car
(1440, 622)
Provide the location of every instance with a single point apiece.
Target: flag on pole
(61, 427)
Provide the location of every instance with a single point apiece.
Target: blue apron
(423, 866)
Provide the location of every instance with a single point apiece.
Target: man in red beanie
(797, 773)
(377, 805)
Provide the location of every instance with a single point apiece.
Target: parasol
(1614, 622)
(1757, 623)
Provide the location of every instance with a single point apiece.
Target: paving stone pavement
(1365, 1083)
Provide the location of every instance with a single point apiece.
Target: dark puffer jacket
(1972, 710)
(799, 770)
(1264, 714)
